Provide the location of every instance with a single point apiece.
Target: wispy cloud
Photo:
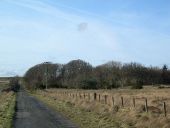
(56, 33)
(43, 8)
(35, 31)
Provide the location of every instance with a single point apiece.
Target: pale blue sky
(34, 31)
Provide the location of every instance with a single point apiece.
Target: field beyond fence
(149, 104)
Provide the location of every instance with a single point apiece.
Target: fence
(111, 100)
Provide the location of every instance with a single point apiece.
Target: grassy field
(106, 111)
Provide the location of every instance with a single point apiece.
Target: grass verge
(7, 109)
(93, 114)
(84, 119)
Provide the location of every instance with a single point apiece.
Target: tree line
(82, 75)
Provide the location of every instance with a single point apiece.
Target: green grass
(7, 109)
(82, 117)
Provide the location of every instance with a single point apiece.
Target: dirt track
(31, 113)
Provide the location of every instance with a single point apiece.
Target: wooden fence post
(99, 97)
(134, 103)
(164, 107)
(95, 95)
(105, 99)
(146, 104)
(113, 101)
(122, 101)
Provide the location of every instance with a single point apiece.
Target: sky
(97, 31)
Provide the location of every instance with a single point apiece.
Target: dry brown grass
(128, 116)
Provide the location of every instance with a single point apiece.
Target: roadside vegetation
(94, 114)
(7, 109)
(7, 101)
(78, 115)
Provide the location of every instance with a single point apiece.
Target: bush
(89, 84)
(138, 85)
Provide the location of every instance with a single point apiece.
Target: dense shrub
(138, 85)
(89, 84)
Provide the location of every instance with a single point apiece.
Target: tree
(36, 76)
(165, 74)
(81, 74)
(75, 72)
